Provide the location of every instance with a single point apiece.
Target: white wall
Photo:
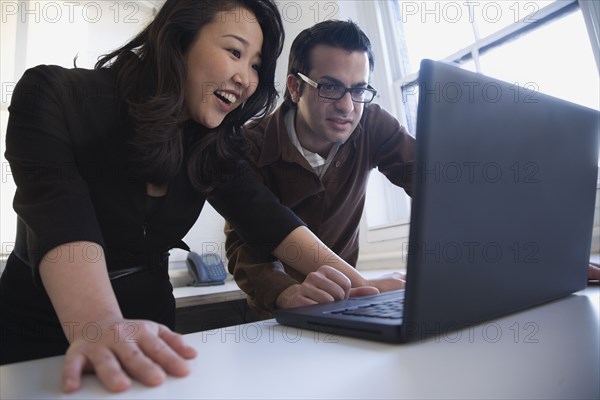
(377, 251)
(80, 29)
(44, 32)
(297, 16)
(91, 28)
(8, 29)
(54, 32)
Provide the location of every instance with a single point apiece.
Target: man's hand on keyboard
(321, 286)
(388, 282)
(594, 272)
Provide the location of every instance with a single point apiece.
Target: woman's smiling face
(222, 66)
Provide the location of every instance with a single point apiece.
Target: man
(315, 153)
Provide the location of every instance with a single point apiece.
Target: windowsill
(387, 226)
(382, 233)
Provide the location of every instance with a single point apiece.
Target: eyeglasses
(332, 91)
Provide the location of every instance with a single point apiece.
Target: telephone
(205, 269)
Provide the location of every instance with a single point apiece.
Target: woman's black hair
(345, 35)
(151, 76)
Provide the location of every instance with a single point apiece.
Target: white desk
(549, 352)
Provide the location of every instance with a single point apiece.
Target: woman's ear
(293, 85)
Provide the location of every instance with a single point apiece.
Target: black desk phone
(205, 269)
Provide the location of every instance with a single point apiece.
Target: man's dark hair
(341, 34)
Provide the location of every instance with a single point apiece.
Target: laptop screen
(503, 206)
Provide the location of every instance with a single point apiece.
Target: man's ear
(294, 86)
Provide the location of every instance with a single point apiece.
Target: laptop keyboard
(390, 309)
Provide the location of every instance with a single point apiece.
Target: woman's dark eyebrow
(338, 82)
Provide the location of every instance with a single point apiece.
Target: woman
(112, 167)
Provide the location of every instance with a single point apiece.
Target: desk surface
(551, 352)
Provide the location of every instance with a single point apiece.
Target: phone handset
(205, 269)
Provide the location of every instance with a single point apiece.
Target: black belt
(129, 263)
(123, 264)
(124, 272)
(119, 263)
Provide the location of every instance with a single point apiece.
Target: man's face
(321, 123)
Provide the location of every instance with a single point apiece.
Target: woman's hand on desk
(101, 340)
(124, 349)
(321, 286)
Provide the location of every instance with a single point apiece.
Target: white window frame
(391, 71)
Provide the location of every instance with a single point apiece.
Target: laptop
(502, 211)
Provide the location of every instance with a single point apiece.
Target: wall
(91, 28)
(207, 234)
(54, 32)
(81, 29)
(377, 251)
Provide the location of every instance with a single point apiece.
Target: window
(540, 45)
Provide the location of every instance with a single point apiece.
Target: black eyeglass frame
(318, 86)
